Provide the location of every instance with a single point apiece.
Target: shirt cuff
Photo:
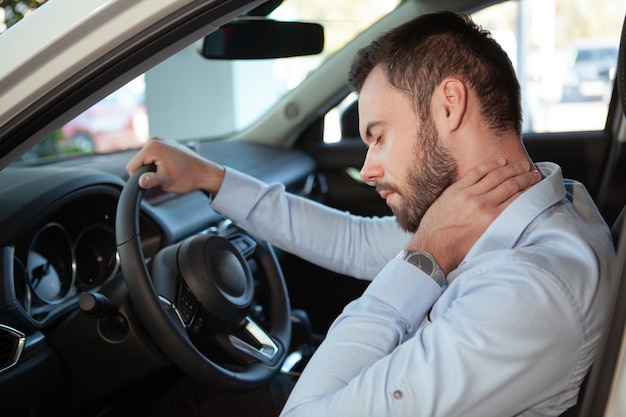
(237, 195)
(408, 289)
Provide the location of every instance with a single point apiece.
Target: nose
(371, 169)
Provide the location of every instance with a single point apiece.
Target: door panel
(339, 164)
(581, 155)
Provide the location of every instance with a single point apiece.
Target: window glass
(565, 53)
(209, 98)
(276, 77)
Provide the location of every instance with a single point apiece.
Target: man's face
(405, 158)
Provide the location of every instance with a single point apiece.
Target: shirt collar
(508, 227)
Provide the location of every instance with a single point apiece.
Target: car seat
(597, 387)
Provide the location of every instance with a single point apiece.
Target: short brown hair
(419, 54)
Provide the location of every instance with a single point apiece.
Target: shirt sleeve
(497, 346)
(351, 245)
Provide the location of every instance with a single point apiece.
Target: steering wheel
(197, 300)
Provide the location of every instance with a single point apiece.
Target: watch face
(423, 262)
(426, 263)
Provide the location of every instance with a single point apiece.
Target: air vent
(11, 345)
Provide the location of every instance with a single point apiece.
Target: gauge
(96, 255)
(22, 291)
(50, 264)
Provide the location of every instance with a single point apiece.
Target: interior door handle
(315, 185)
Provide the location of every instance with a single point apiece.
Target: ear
(452, 103)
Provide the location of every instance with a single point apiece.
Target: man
(490, 300)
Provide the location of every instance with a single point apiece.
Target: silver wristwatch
(425, 262)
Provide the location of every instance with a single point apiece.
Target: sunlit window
(565, 53)
(213, 97)
(274, 78)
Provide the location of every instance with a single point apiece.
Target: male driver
(466, 315)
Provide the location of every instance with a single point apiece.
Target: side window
(342, 121)
(564, 53)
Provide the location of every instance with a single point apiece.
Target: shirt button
(397, 395)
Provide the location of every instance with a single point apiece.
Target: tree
(14, 10)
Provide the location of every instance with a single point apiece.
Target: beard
(427, 178)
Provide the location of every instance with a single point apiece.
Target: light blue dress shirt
(513, 334)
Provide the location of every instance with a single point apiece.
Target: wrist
(211, 178)
(444, 254)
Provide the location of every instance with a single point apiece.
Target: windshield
(225, 97)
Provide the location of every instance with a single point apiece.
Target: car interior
(93, 310)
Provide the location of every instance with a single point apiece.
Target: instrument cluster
(70, 251)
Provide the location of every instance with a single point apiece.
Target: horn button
(218, 276)
(229, 276)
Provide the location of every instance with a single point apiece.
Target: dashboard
(59, 220)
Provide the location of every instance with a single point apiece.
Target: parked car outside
(118, 122)
(592, 70)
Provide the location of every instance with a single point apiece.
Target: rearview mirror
(260, 38)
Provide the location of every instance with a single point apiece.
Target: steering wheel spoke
(187, 304)
(171, 309)
(253, 342)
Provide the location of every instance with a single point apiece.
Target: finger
(506, 191)
(479, 171)
(146, 156)
(500, 176)
(148, 180)
(516, 185)
(140, 159)
(134, 164)
(158, 178)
